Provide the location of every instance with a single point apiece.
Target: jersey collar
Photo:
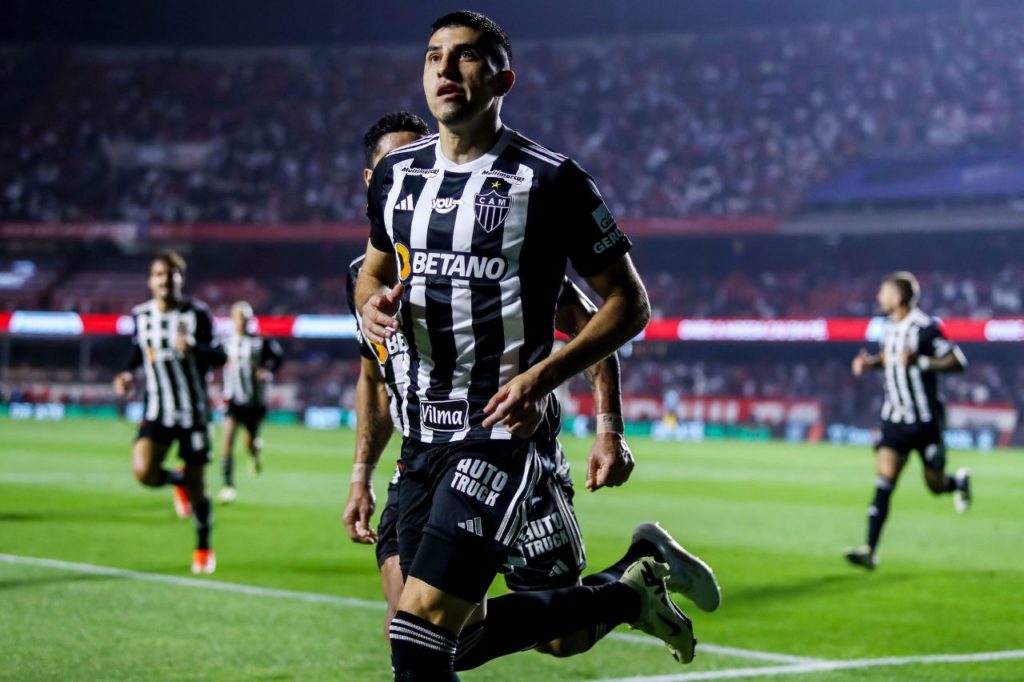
(485, 161)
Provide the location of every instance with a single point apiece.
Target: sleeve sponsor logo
(454, 265)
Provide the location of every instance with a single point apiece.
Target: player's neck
(467, 145)
(899, 314)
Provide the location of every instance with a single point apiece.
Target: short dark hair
(907, 285)
(395, 122)
(172, 259)
(495, 44)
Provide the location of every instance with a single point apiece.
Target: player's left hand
(358, 512)
(183, 341)
(610, 462)
(519, 405)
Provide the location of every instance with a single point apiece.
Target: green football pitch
(94, 581)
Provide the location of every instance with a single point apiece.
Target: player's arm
(610, 461)
(373, 431)
(206, 348)
(378, 290)
(271, 358)
(624, 314)
(936, 353)
(864, 361)
(126, 377)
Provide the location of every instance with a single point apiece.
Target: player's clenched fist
(123, 383)
(378, 314)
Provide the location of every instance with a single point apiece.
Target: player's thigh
(477, 513)
(889, 463)
(148, 456)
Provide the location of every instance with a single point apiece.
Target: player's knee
(936, 487)
(148, 476)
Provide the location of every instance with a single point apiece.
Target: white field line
(207, 584)
(827, 666)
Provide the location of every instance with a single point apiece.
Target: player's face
(460, 82)
(241, 320)
(888, 298)
(386, 145)
(164, 282)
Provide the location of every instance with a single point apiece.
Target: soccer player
(252, 361)
(471, 230)
(553, 547)
(913, 352)
(175, 346)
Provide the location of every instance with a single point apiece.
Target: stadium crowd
(671, 126)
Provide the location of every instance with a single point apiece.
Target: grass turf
(771, 518)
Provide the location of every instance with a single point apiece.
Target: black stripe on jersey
(440, 237)
(488, 326)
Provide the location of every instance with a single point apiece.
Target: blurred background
(771, 161)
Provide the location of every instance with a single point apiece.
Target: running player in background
(471, 231)
(914, 351)
(252, 361)
(175, 346)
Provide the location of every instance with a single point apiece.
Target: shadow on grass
(855, 580)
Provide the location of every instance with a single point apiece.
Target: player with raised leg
(175, 346)
(913, 352)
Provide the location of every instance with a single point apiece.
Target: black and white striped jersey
(247, 354)
(482, 248)
(176, 392)
(912, 393)
(392, 357)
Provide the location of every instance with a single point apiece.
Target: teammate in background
(470, 234)
(554, 548)
(252, 361)
(175, 346)
(913, 352)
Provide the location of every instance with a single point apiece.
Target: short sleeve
(933, 343)
(376, 196)
(594, 239)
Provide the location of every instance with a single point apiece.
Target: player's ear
(504, 80)
(367, 175)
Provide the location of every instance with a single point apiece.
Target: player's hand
(378, 314)
(183, 341)
(264, 374)
(123, 383)
(519, 405)
(860, 362)
(358, 512)
(610, 462)
(907, 358)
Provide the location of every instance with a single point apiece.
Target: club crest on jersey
(492, 209)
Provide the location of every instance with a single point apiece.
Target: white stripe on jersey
(537, 155)
(462, 298)
(156, 329)
(185, 402)
(511, 287)
(906, 400)
(511, 523)
(418, 289)
(920, 397)
(152, 385)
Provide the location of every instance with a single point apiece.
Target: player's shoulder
(924, 321)
(408, 151)
(545, 156)
(197, 306)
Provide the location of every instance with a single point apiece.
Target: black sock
(202, 512)
(523, 620)
(172, 477)
(950, 484)
(228, 468)
(636, 551)
(879, 510)
(420, 650)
